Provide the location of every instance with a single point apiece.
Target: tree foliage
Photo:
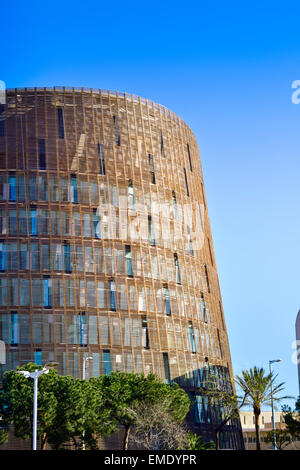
(77, 412)
(292, 419)
(259, 389)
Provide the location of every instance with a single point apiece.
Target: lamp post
(35, 376)
(272, 404)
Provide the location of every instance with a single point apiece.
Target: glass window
(38, 357)
(167, 300)
(24, 256)
(178, 278)
(186, 182)
(42, 154)
(21, 187)
(33, 188)
(192, 338)
(82, 329)
(151, 231)
(93, 329)
(24, 292)
(117, 133)
(60, 123)
(74, 191)
(128, 257)
(47, 292)
(112, 295)
(106, 362)
(162, 144)
(2, 257)
(101, 159)
(23, 226)
(43, 188)
(34, 256)
(189, 156)
(167, 368)
(12, 188)
(104, 330)
(87, 225)
(96, 224)
(151, 166)
(3, 187)
(67, 258)
(145, 335)
(130, 196)
(14, 328)
(12, 221)
(12, 256)
(45, 251)
(33, 221)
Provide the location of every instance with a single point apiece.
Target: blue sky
(227, 70)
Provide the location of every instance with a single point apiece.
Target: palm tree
(259, 389)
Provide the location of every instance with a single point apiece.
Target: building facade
(106, 253)
(265, 424)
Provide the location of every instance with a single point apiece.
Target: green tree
(258, 386)
(125, 392)
(68, 408)
(283, 438)
(292, 419)
(196, 443)
(221, 395)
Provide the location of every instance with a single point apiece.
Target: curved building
(106, 254)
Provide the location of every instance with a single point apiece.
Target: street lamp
(34, 375)
(272, 404)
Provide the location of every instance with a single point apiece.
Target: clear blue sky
(226, 69)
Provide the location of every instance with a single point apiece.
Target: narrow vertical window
(96, 224)
(112, 295)
(145, 334)
(2, 121)
(162, 150)
(14, 328)
(42, 154)
(210, 252)
(106, 362)
(151, 231)
(130, 195)
(101, 159)
(117, 133)
(38, 357)
(203, 305)
(207, 279)
(167, 300)
(192, 337)
(2, 257)
(82, 329)
(47, 292)
(151, 166)
(60, 122)
(167, 368)
(175, 211)
(67, 258)
(33, 221)
(74, 191)
(189, 156)
(128, 256)
(186, 182)
(220, 344)
(177, 270)
(12, 188)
